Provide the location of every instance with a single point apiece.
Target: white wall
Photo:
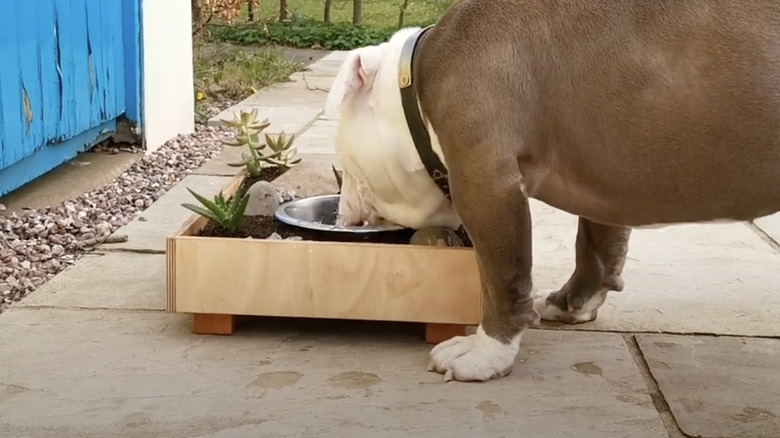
(168, 103)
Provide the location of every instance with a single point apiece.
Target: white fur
(549, 312)
(476, 357)
(384, 178)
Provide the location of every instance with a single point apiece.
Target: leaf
(202, 211)
(221, 202)
(260, 126)
(270, 142)
(237, 212)
(211, 205)
(245, 159)
(289, 142)
(339, 180)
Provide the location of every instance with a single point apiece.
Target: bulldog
(625, 113)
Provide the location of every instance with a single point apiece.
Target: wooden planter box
(217, 279)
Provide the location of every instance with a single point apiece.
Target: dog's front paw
(475, 357)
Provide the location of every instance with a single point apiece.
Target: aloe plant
(226, 214)
(338, 176)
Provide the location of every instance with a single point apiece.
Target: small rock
(436, 237)
(263, 199)
(275, 236)
(294, 238)
(116, 238)
(285, 194)
(37, 244)
(103, 229)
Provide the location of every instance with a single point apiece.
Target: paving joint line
(648, 332)
(654, 390)
(764, 236)
(87, 309)
(129, 250)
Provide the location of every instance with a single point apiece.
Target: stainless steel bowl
(319, 213)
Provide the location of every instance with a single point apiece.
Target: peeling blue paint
(69, 67)
(48, 157)
(132, 34)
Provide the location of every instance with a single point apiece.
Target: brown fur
(624, 112)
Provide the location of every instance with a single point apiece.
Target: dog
(625, 113)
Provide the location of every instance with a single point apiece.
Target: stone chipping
(35, 245)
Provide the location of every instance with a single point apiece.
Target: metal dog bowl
(319, 213)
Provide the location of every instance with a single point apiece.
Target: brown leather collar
(414, 120)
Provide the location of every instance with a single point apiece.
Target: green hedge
(303, 34)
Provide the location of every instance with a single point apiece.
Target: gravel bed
(38, 244)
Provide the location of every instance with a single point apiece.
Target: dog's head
(384, 178)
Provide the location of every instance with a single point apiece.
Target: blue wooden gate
(69, 69)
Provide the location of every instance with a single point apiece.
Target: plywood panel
(319, 279)
(326, 280)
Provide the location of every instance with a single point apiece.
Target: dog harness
(414, 120)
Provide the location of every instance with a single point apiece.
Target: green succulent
(280, 152)
(226, 214)
(338, 176)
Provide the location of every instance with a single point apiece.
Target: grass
(225, 72)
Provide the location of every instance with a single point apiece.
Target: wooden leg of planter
(435, 333)
(213, 324)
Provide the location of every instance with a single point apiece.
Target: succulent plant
(273, 152)
(338, 176)
(226, 214)
(283, 154)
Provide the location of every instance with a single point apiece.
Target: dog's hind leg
(601, 254)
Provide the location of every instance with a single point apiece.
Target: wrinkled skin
(627, 114)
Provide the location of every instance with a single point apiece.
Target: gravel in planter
(37, 244)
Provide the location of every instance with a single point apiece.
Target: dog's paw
(549, 311)
(475, 357)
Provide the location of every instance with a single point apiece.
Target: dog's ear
(355, 76)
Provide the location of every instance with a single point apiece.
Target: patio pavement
(690, 348)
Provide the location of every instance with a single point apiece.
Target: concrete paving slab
(294, 93)
(106, 281)
(85, 172)
(112, 374)
(218, 166)
(770, 225)
(319, 138)
(325, 66)
(718, 387)
(335, 56)
(694, 278)
(311, 82)
(287, 119)
(149, 229)
(313, 176)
